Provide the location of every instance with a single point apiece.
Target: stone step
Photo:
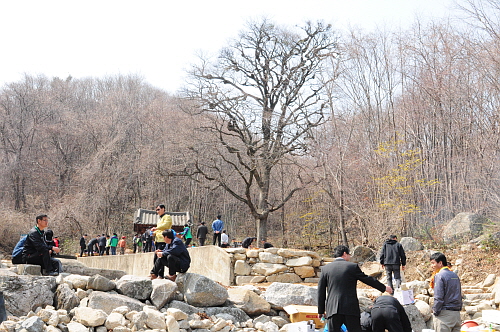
(480, 296)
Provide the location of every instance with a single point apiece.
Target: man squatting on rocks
(37, 252)
(174, 256)
(339, 278)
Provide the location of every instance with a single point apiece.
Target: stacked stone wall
(275, 265)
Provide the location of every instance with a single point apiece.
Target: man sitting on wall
(175, 257)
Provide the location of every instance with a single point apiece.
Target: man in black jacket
(175, 256)
(83, 244)
(392, 256)
(37, 252)
(201, 234)
(340, 278)
(388, 314)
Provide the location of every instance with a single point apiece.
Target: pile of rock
(275, 265)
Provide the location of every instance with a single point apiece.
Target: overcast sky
(159, 39)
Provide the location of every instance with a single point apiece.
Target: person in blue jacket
(217, 227)
(174, 256)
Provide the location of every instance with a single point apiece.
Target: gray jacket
(447, 292)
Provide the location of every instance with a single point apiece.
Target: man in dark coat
(201, 234)
(392, 256)
(175, 257)
(37, 252)
(93, 246)
(83, 244)
(341, 306)
(102, 244)
(388, 314)
(248, 242)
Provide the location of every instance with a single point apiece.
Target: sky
(159, 40)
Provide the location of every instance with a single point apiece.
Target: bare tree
(263, 98)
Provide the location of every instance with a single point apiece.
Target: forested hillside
(311, 137)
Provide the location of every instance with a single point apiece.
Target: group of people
(102, 245)
(338, 301)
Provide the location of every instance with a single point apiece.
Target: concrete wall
(210, 261)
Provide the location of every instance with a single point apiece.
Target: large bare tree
(263, 96)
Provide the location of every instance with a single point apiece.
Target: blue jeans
(113, 250)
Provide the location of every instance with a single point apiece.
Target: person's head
(186, 225)
(84, 236)
(342, 251)
(393, 237)
(114, 234)
(203, 223)
(219, 216)
(168, 235)
(262, 240)
(223, 231)
(160, 209)
(438, 261)
(107, 236)
(124, 237)
(42, 221)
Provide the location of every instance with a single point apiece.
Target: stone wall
(230, 266)
(274, 265)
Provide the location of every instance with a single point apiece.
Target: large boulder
(248, 301)
(411, 244)
(89, 316)
(107, 302)
(23, 294)
(416, 320)
(139, 288)
(65, 298)
(98, 282)
(280, 295)
(464, 227)
(199, 290)
(362, 254)
(163, 292)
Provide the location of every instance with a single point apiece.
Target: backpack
(17, 253)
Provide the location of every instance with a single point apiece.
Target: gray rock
(75, 267)
(66, 298)
(76, 281)
(23, 294)
(139, 288)
(32, 324)
(107, 302)
(184, 307)
(100, 283)
(464, 227)
(163, 292)
(199, 290)
(362, 254)
(411, 244)
(416, 320)
(280, 295)
(237, 315)
(248, 301)
(29, 269)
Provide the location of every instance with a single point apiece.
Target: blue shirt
(217, 225)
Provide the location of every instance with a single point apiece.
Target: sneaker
(53, 274)
(172, 277)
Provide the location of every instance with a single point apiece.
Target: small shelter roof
(151, 218)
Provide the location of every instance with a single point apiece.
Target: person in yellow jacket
(163, 224)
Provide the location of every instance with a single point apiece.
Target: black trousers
(47, 263)
(389, 270)
(101, 250)
(202, 241)
(160, 272)
(188, 241)
(386, 318)
(351, 322)
(82, 250)
(172, 262)
(217, 237)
